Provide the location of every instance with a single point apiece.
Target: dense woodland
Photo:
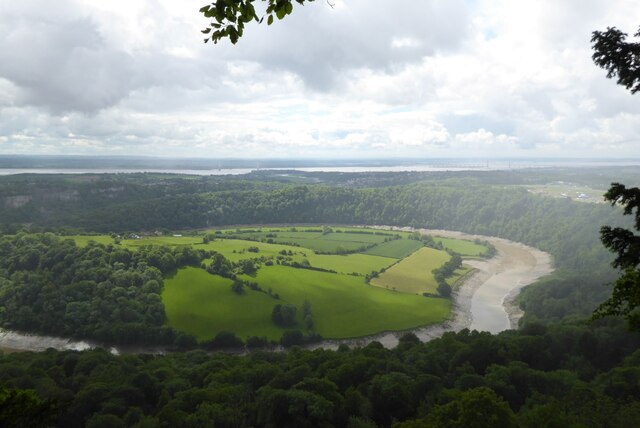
(566, 375)
(559, 367)
(105, 293)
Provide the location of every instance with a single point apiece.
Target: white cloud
(365, 78)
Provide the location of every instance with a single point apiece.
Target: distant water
(11, 165)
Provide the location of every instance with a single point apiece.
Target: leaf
(270, 20)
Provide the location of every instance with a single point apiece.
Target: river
(485, 301)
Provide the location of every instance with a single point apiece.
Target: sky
(354, 78)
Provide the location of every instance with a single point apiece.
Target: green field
(170, 241)
(83, 240)
(237, 249)
(314, 240)
(397, 249)
(350, 263)
(203, 305)
(413, 274)
(462, 247)
(343, 305)
(459, 273)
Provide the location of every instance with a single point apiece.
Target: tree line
(50, 285)
(574, 374)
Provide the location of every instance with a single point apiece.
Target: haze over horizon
(439, 79)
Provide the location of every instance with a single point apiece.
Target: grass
(350, 263)
(169, 241)
(343, 306)
(397, 249)
(413, 274)
(322, 245)
(203, 305)
(315, 240)
(354, 237)
(237, 249)
(462, 247)
(83, 240)
(454, 281)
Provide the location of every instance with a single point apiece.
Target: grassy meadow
(83, 240)
(413, 274)
(462, 247)
(342, 303)
(396, 249)
(343, 306)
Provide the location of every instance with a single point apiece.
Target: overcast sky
(366, 78)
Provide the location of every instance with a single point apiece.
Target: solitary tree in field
(284, 315)
(621, 59)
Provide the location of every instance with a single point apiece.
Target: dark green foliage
(228, 17)
(621, 59)
(583, 373)
(625, 300)
(445, 271)
(479, 408)
(224, 340)
(292, 337)
(237, 287)
(255, 342)
(284, 315)
(307, 315)
(20, 408)
(568, 230)
(220, 265)
(444, 289)
(51, 286)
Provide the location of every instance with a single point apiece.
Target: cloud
(320, 44)
(364, 79)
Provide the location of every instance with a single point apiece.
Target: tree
(237, 286)
(625, 298)
(228, 17)
(21, 408)
(444, 289)
(284, 315)
(621, 59)
(478, 407)
(618, 57)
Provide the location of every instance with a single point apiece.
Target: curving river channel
(485, 301)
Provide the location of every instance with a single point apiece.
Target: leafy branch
(228, 17)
